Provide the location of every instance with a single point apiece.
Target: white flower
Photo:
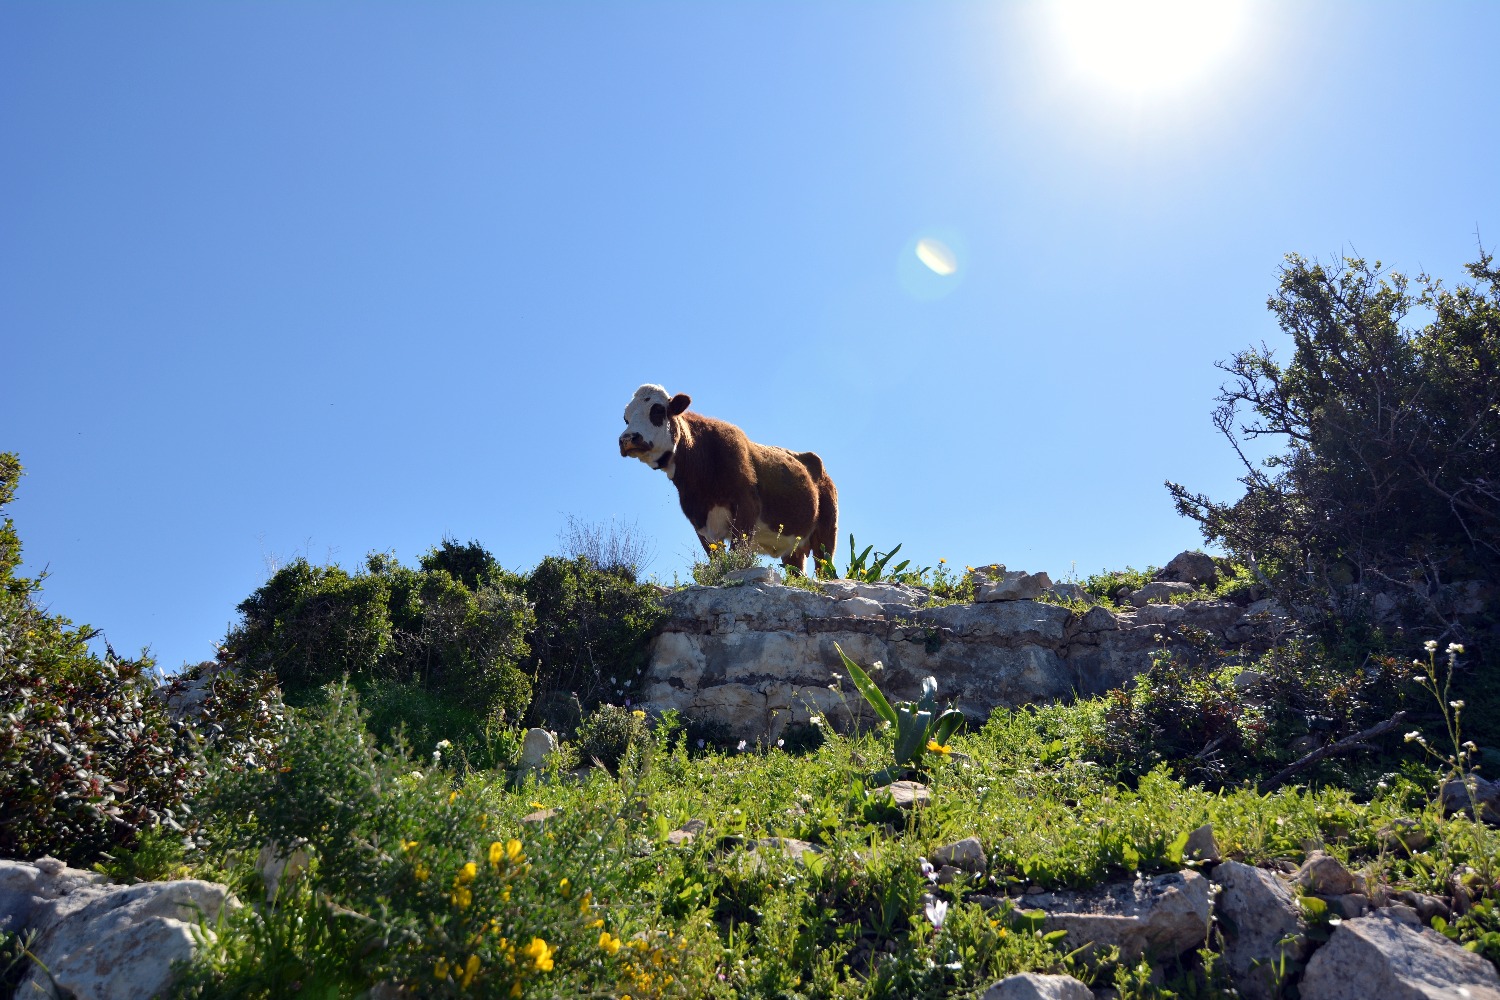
(444, 744)
(741, 747)
(1456, 705)
(1454, 647)
(928, 872)
(781, 743)
(1430, 645)
(1413, 735)
(816, 720)
(937, 912)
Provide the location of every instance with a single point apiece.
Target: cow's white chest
(774, 542)
(716, 527)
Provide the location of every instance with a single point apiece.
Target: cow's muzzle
(633, 444)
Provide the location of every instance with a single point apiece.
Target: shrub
(723, 560)
(453, 631)
(88, 755)
(614, 546)
(591, 629)
(1387, 481)
(607, 734)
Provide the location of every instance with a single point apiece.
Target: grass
(621, 911)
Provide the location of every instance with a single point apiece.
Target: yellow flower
(421, 871)
(407, 846)
(565, 885)
(540, 953)
(941, 561)
(937, 747)
(466, 873)
(639, 713)
(538, 805)
(440, 971)
(515, 990)
(588, 900)
(609, 944)
(505, 895)
(713, 546)
(513, 851)
(471, 969)
(462, 897)
(597, 923)
(452, 796)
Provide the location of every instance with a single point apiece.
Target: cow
(734, 491)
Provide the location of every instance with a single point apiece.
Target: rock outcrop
(757, 658)
(1380, 957)
(99, 941)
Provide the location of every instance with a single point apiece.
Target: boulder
(686, 833)
(1073, 592)
(1159, 592)
(1031, 986)
(1264, 930)
(762, 575)
(538, 745)
(1201, 845)
(967, 854)
(1324, 875)
(277, 864)
(1161, 917)
(1456, 797)
(904, 794)
(1378, 957)
(98, 941)
(1010, 585)
(1192, 568)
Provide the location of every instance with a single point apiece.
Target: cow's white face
(648, 425)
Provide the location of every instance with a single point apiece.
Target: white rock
(1159, 591)
(764, 575)
(1031, 986)
(1012, 585)
(277, 865)
(1162, 916)
(123, 943)
(967, 854)
(538, 745)
(1263, 927)
(1378, 957)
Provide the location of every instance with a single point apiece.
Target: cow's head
(649, 432)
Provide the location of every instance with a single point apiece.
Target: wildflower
(1454, 647)
(937, 912)
(936, 747)
(471, 969)
(1430, 645)
(597, 923)
(453, 796)
(781, 743)
(928, 872)
(513, 851)
(639, 714)
(566, 888)
(415, 775)
(444, 744)
(421, 871)
(609, 944)
(816, 720)
(407, 846)
(462, 897)
(466, 873)
(1457, 706)
(540, 953)
(440, 970)
(713, 546)
(741, 747)
(1413, 735)
(537, 805)
(941, 561)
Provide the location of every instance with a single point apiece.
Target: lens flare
(938, 258)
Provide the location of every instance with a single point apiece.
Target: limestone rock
(905, 794)
(540, 816)
(1162, 916)
(1324, 875)
(1010, 585)
(686, 833)
(1201, 845)
(1073, 592)
(33, 895)
(121, 943)
(1159, 591)
(1194, 568)
(1486, 796)
(1263, 926)
(1403, 832)
(1031, 986)
(1378, 957)
(763, 575)
(277, 864)
(967, 854)
(538, 745)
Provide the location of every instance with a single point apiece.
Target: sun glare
(936, 256)
(1148, 45)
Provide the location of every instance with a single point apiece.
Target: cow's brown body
(733, 490)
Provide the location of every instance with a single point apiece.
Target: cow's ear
(680, 402)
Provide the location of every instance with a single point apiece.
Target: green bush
(425, 630)
(608, 732)
(88, 755)
(591, 629)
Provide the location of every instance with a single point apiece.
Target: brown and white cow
(733, 490)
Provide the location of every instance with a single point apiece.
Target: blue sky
(318, 279)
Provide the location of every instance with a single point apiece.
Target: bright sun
(1147, 45)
